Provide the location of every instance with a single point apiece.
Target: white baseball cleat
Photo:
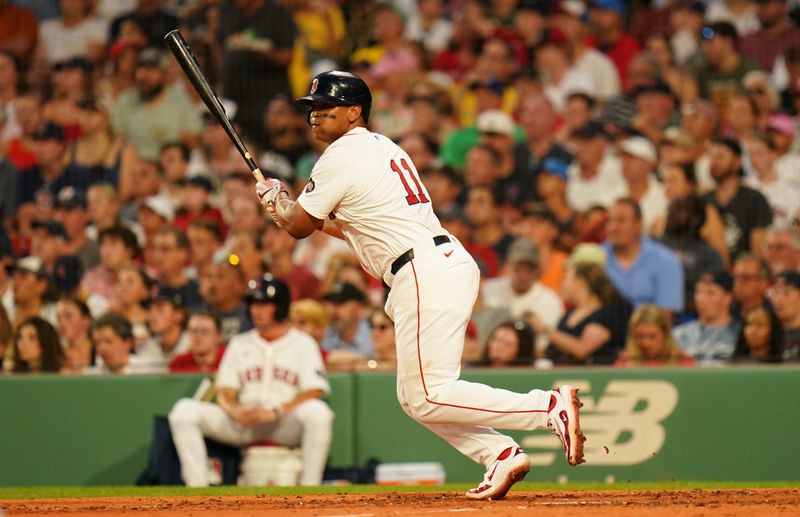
(563, 419)
(512, 465)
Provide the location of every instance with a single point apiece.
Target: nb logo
(626, 417)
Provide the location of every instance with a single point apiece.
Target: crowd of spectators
(626, 174)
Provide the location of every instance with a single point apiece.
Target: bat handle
(257, 174)
(253, 167)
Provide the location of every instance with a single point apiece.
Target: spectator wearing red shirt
(279, 246)
(205, 346)
(195, 204)
(607, 21)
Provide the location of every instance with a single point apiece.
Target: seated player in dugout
(366, 190)
(270, 386)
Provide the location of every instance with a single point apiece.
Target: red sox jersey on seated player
(269, 373)
(369, 183)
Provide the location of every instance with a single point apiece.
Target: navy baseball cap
(202, 182)
(48, 131)
(344, 292)
(591, 129)
(492, 85)
(788, 278)
(618, 6)
(556, 167)
(70, 198)
(721, 278)
(53, 228)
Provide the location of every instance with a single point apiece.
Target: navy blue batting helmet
(339, 88)
(269, 289)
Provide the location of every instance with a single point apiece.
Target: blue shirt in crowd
(361, 344)
(655, 277)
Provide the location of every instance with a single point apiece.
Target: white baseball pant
(309, 425)
(430, 302)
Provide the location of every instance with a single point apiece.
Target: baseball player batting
(365, 189)
(269, 386)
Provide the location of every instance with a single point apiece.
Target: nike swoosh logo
(448, 253)
(261, 196)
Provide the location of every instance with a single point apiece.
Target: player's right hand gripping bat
(183, 54)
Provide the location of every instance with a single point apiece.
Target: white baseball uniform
(372, 188)
(265, 374)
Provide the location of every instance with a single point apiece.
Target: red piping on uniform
(422, 374)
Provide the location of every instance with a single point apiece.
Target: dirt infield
(673, 503)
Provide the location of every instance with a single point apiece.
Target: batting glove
(268, 191)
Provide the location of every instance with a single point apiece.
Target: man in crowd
(224, 296)
(520, 290)
(644, 271)
(166, 320)
(786, 299)
(170, 257)
(348, 337)
(280, 248)
(269, 387)
(31, 290)
(751, 278)
(595, 176)
(782, 249)
(639, 159)
(484, 212)
(745, 211)
(711, 338)
(205, 346)
(152, 114)
(70, 211)
(113, 338)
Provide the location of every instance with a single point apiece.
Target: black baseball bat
(183, 54)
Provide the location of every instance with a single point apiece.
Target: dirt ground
(672, 503)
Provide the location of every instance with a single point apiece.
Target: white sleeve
(328, 185)
(227, 374)
(312, 375)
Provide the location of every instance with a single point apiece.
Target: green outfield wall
(641, 424)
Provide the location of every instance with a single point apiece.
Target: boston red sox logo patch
(314, 85)
(310, 186)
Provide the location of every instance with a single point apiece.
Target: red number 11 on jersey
(412, 198)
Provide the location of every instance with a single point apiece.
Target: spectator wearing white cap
(152, 214)
(31, 289)
(497, 131)
(639, 159)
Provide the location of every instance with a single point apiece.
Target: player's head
(337, 88)
(268, 290)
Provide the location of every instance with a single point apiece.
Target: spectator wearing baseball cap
(70, 211)
(48, 240)
(722, 76)
(348, 338)
(32, 291)
(607, 22)
(639, 160)
(595, 174)
(151, 114)
(786, 300)
(167, 317)
(520, 290)
(51, 172)
(551, 186)
(497, 131)
(781, 134)
(711, 338)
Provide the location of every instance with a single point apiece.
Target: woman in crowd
(761, 338)
(680, 180)
(383, 341)
(6, 333)
(71, 81)
(106, 157)
(133, 288)
(36, 348)
(650, 341)
(73, 322)
(593, 330)
(509, 344)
